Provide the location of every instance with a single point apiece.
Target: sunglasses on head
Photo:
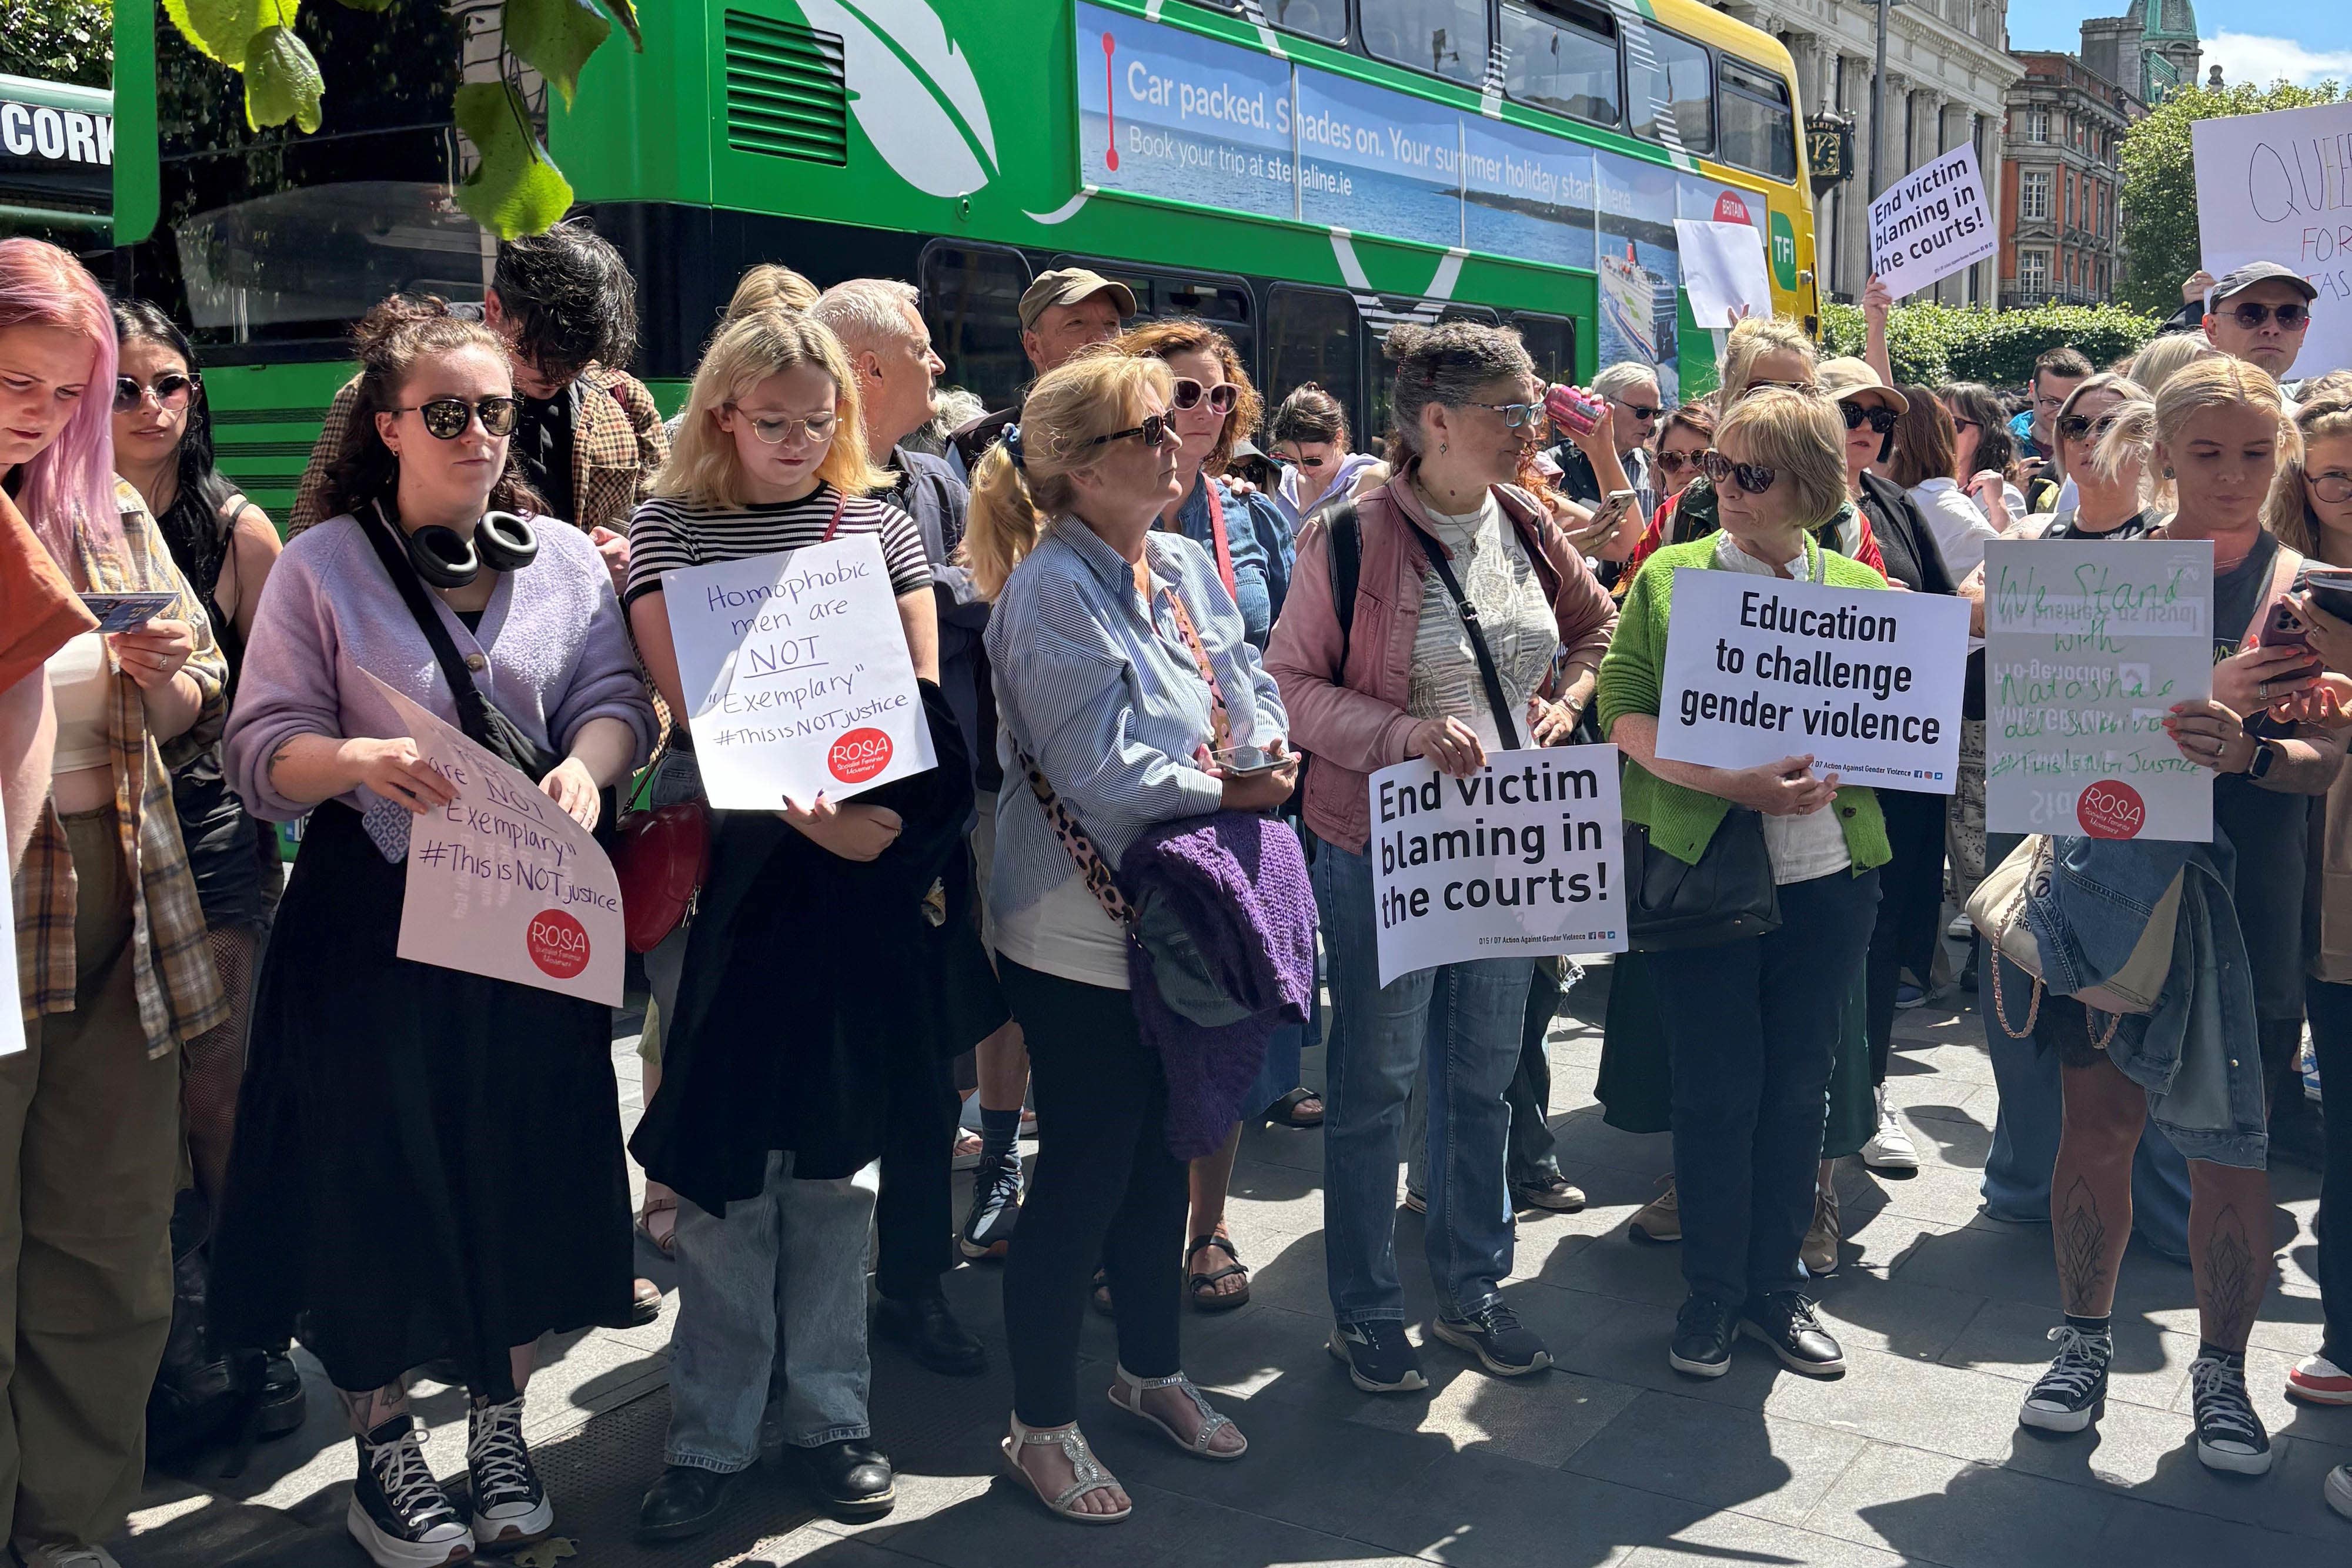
(1753, 478)
(1186, 393)
(1785, 386)
(170, 389)
(2253, 315)
(2075, 426)
(1155, 430)
(446, 418)
(1880, 420)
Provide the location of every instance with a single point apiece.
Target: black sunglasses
(2253, 315)
(1753, 478)
(1186, 393)
(1640, 411)
(1881, 420)
(170, 389)
(1155, 430)
(2075, 426)
(446, 418)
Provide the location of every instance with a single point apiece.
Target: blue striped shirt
(1102, 691)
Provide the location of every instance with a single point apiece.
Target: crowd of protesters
(1139, 603)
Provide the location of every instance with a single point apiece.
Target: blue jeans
(2030, 1116)
(1462, 1022)
(772, 1291)
(1754, 1028)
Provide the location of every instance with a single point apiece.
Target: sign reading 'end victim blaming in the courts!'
(1866, 681)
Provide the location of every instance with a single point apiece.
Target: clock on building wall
(1829, 148)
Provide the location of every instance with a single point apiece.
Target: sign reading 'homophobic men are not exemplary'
(1522, 858)
(1866, 681)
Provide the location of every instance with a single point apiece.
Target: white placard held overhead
(2088, 645)
(1867, 682)
(2278, 187)
(1522, 858)
(1723, 271)
(796, 669)
(502, 881)
(1932, 222)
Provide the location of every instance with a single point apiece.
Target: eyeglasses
(1187, 393)
(2253, 315)
(1673, 462)
(1881, 420)
(2075, 426)
(171, 389)
(1753, 478)
(446, 418)
(776, 432)
(2333, 488)
(1641, 414)
(1515, 415)
(1155, 430)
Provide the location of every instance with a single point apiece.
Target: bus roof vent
(787, 95)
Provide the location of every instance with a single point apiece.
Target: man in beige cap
(1062, 312)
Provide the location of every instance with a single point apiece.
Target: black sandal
(1284, 1112)
(1202, 1288)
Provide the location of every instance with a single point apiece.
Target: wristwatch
(2266, 752)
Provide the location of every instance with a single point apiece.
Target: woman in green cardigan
(1752, 1024)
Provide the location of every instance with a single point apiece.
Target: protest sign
(1865, 681)
(2087, 647)
(1723, 271)
(2278, 187)
(796, 670)
(502, 881)
(1931, 223)
(1524, 858)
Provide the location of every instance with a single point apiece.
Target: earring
(1441, 446)
(2168, 470)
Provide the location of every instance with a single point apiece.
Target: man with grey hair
(880, 324)
(1615, 455)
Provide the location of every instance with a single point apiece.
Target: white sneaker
(100, 1557)
(1889, 1148)
(2338, 1489)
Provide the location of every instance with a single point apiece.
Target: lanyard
(1221, 725)
(1217, 535)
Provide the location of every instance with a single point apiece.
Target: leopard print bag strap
(1092, 868)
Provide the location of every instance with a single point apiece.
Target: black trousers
(1532, 1153)
(1911, 895)
(2330, 1009)
(914, 1214)
(1105, 1188)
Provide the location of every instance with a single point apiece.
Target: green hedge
(1934, 343)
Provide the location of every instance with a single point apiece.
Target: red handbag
(660, 856)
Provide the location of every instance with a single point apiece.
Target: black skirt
(429, 1163)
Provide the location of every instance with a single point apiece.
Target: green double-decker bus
(1304, 173)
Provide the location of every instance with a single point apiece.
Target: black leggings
(1105, 1188)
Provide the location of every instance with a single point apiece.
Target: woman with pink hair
(114, 970)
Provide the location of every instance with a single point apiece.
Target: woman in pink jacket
(1397, 674)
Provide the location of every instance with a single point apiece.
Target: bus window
(1563, 58)
(1325, 19)
(1447, 37)
(1552, 343)
(1674, 81)
(972, 300)
(1760, 131)
(1224, 305)
(1310, 336)
(1478, 313)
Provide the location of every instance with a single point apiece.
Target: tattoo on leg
(2081, 1245)
(2228, 1281)
(370, 1409)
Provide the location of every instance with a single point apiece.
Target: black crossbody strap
(1345, 531)
(1495, 699)
(471, 704)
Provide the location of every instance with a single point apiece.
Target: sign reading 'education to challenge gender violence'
(796, 668)
(2278, 187)
(1522, 858)
(2088, 645)
(1866, 681)
(1931, 223)
(502, 881)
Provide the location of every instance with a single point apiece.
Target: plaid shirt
(180, 995)
(617, 446)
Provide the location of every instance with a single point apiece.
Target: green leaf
(555, 37)
(224, 29)
(281, 81)
(626, 13)
(516, 190)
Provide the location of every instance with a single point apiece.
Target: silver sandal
(1089, 1476)
(1210, 1422)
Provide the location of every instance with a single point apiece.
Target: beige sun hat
(1852, 380)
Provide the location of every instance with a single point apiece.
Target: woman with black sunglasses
(428, 1162)
(1753, 1024)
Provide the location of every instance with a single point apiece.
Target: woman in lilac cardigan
(429, 1163)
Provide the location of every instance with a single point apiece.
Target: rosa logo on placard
(859, 756)
(2111, 809)
(558, 944)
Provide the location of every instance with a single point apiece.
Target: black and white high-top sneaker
(510, 1508)
(2230, 1436)
(995, 1209)
(399, 1514)
(2074, 1393)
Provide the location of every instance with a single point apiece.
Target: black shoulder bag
(1505, 728)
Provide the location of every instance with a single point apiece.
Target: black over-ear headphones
(447, 559)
